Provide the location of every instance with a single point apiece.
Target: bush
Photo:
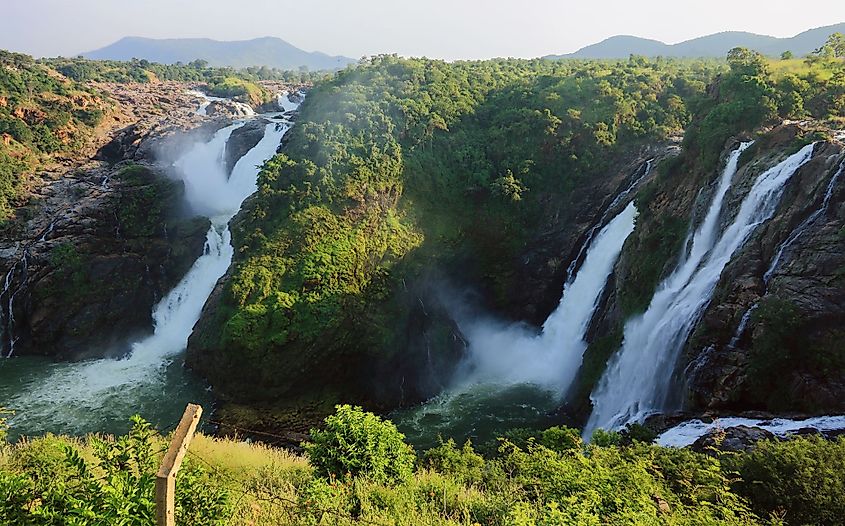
(602, 438)
(562, 439)
(802, 479)
(58, 484)
(464, 464)
(358, 443)
(4, 426)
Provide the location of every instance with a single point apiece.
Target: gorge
(470, 248)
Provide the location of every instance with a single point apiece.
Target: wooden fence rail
(166, 476)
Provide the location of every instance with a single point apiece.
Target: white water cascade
(637, 380)
(786, 245)
(512, 375)
(69, 394)
(512, 355)
(244, 109)
(687, 433)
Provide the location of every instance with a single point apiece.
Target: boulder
(738, 438)
(242, 141)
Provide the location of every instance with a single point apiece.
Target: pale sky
(450, 29)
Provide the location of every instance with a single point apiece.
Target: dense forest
(400, 168)
(403, 181)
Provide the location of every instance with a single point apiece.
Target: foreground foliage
(556, 481)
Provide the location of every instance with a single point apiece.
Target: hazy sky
(435, 28)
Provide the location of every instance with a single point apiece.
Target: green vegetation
(780, 347)
(41, 114)
(238, 89)
(56, 480)
(399, 165)
(99, 482)
(140, 70)
(356, 443)
(144, 201)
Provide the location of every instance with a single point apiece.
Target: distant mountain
(268, 51)
(716, 45)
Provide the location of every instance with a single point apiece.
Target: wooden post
(166, 476)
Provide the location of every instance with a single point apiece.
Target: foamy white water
(284, 102)
(687, 433)
(513, 376)
(244, 109)
(637, 380)
(70, 394)
(513, 355)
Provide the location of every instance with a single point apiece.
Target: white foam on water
(637, 380)
(687, 433)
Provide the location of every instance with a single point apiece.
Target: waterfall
(646, 171)
(10, 291)
(782, 248)
(804, 224)
(243, 108)
(69, 394)
(637, 380)
(512, 355)
(512, 376)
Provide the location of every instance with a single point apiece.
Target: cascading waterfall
(800, 229)
(782, 248)
(646, 171)
(11, 288)
(70, 394)
(637, 380)
(513, 375)
(244, 109)
(511, 355)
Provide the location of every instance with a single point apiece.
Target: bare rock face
(243, 140)
(100, 243)
(739, 438)
(788, 283)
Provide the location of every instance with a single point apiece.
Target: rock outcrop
(735, 439)
(787, 354)
(773, 337)
(101, 240)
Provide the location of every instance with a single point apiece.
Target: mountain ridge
(264, 51)
(713, 45)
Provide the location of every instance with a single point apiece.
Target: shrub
(358, 443)
(602, 438)
(802, 479)
(562, 439)
(464, 464)
(60, 485)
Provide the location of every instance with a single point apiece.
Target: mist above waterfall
(515, 354)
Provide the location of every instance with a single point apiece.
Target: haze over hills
(716, 45)
(267, 51)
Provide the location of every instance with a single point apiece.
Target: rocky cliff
(771, 337)
(102, 237)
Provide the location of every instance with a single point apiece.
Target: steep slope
(406, 182)
(267, 51)
(716, 45)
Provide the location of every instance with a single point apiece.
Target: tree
(833, 48)
(787, 55)
(358, 443)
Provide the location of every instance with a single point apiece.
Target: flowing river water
(100, 395)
